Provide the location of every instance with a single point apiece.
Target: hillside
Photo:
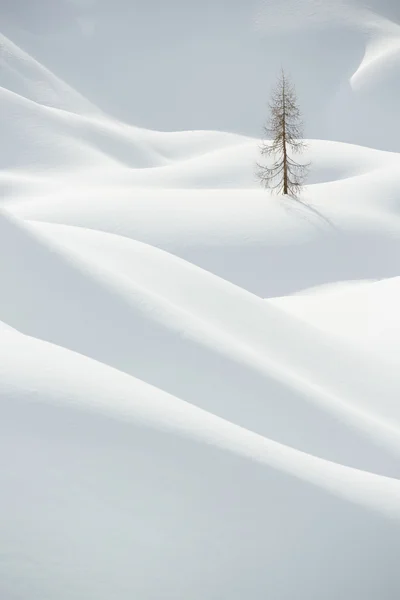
(199, 381)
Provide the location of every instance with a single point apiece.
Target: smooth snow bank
(25, 76)
(342, 54)
(106, 481)
(344, 230)
(353, 49)
(4, 327)
(364, 314)
(195, 194)
(148, 313)
(107, 392)
(165, 432)
(47, 124)
(51, 136)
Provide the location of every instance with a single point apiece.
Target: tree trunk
(285, 164)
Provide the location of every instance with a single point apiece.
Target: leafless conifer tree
(285, 130)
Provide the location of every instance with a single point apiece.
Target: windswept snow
(199, 382)
(362, 313)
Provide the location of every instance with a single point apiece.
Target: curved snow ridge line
(383, 42)
(103, 390)
(377, 53)
(364, 313)
(236, 166)
(40, 84)
(379, 34)
(179, 159)
(120, 145)
(25, 68)
(151, 314)
(264, 333)
(128, 146)
(6, 328)
(347, 163)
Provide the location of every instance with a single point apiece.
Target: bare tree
(285, 130)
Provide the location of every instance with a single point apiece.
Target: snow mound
(364, 314)
(115, 473)
(340, 230)
(174, 424)
(25, 76)
(226, 342)
(195, 194)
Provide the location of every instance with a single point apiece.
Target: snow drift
(174, 424)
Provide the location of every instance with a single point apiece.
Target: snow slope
(363, 314)
(199, 382)
(343, 54)
(111, 487)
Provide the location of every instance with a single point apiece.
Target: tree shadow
(290, 206)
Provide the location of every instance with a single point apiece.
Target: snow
(199, 382)
(363, 313)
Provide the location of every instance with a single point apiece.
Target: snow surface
(199, 382)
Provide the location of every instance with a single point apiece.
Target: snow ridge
(199, 382)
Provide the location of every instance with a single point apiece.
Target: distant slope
(195, 194)
(27, 77)
(129, 60)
